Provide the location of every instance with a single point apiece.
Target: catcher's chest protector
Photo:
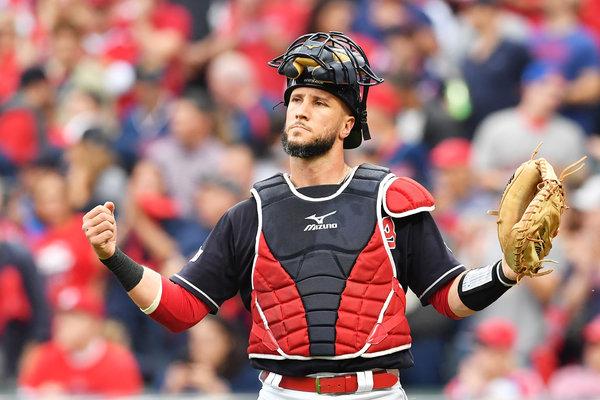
(324, 282)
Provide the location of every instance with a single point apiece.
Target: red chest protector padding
(370, 281)
(367, 288)
(282, 307)
(280, 327)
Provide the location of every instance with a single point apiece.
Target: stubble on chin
(316, 147)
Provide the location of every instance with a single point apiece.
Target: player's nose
(302, 110)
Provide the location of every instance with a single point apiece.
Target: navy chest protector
(324, 281)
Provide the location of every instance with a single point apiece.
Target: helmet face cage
(331, 60)
(318, 46)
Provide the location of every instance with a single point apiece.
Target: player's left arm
(428, 266)
(489, 292)
(437, 278)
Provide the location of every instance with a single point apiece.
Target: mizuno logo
(319, 222)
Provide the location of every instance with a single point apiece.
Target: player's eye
(321, 103)
(296, 99)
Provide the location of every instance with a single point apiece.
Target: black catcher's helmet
(335, 63)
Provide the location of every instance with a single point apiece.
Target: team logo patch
(389, 229)
(320, 222)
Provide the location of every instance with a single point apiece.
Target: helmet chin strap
(363, 114)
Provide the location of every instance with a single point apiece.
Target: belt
(339, 384)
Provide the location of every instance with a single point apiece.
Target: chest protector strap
(382, 329)
(263, 333)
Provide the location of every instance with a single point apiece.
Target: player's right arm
(165, 301)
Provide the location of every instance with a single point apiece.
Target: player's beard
(317, 147)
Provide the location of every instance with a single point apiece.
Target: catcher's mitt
(529, 214)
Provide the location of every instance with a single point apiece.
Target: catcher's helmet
(335, 63)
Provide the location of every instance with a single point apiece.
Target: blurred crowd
(168, 109)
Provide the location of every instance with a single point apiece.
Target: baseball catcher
(322, 256)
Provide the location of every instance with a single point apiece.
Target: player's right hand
(100, 229)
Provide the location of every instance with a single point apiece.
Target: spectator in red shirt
(79, 360)
(158, 28)
(459, 201)
(10, 66)
(24, 133)
(147, 209)
(24, 314)
(261, 30)
(152, 33)
(61, 251)
(161, 30)
(589, 12)
(490, 371)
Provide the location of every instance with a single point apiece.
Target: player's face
(315, 121)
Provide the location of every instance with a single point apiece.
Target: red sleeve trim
(178, 309)
(439, 301)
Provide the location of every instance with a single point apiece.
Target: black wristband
(127, 271)
(480, 287)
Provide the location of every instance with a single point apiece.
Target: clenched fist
(100, 228)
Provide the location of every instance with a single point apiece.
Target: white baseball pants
(271, 391)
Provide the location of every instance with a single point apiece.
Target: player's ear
(349, 122)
